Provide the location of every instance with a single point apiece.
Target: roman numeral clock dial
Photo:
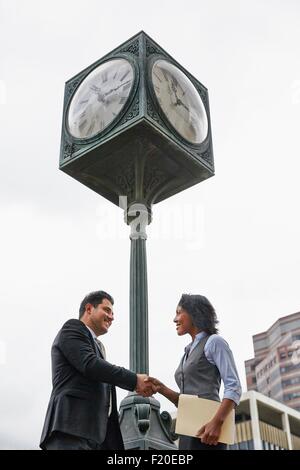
(179, 101)
(100, 98)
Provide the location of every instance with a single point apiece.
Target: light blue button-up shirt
(218, 353)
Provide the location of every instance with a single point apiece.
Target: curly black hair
(202, 312)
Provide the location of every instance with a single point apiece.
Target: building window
(285, 369)
(292, 381)
(291, 396)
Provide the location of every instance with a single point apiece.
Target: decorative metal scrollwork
(151, 49)
(168, 423)
(132, 48)
(143, 412)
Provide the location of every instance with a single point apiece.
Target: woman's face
(183, 322)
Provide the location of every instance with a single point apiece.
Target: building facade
(275, 369)
(262, 423)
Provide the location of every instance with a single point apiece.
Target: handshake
(147, 386)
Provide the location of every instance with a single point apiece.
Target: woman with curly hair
(207, 360)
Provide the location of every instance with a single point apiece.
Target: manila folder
(193, 412)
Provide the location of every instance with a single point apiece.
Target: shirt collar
(198, 337)
(92, 332)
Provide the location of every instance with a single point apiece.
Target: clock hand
(172, 95)
(178, 100)
(97, 90)
(115, 89)
(101, 96)
(180, 103)
(174, 88)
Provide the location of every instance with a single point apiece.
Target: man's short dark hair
(94, 298)
(202, 312)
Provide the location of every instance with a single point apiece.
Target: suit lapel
(95, 346)
(98, 349)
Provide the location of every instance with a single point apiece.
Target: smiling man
(82, 412)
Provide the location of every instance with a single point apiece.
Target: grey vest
(197, 376)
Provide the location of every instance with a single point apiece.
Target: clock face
(100, 98)
(179, 101)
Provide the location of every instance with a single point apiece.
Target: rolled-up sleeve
(218, 352)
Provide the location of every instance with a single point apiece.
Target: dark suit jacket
(82, 382)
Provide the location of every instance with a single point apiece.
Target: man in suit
(82, 412)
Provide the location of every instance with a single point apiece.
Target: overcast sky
(234, 238)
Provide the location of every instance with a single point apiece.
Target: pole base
(142, 425)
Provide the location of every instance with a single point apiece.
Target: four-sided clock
(136, 124)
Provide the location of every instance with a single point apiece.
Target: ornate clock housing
(136, 124)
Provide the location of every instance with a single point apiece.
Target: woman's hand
(210, 432)
(157, 385)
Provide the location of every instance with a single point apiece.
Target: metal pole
(139, 344)
(142, 424)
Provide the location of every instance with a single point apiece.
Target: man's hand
(210, 432)
(143, 387)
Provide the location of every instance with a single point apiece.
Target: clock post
(136, 129)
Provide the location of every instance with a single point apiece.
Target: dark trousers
(61, 441)
(193, 443)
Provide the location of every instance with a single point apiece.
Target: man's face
(101, 317)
